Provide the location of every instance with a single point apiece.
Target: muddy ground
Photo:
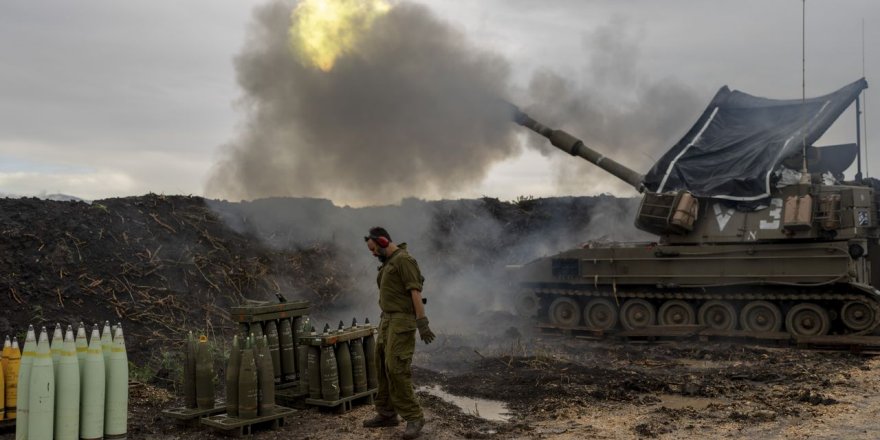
(574, 389)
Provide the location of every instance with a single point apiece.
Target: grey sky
(110, 98)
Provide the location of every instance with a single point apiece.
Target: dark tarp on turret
(741, 139)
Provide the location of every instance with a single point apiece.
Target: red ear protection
(381, 241)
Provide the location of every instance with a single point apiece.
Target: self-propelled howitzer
(783, 251)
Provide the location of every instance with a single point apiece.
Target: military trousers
(394, 351)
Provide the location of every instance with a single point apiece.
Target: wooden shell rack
(286, 392)
(239, 427)
(191, 416)
(332, 338)
(267, 312)
(345, 404)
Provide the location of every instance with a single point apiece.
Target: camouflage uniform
(397, 335)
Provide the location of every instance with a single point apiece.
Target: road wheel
(527, 304)
(717, 315)
(676, 312)
(760, 316)
(601, 314)
(807, 319)
(565, 312)
(857, 316)
(637, 313)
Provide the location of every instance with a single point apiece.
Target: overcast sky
(116, 98)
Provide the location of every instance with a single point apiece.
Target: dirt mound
(160, 265)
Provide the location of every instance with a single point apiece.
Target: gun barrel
(575, 147)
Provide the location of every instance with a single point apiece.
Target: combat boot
(413, 428)
(380, 421)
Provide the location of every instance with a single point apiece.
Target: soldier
(403, 311)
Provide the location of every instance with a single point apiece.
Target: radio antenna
(804, 76)
(865, 103)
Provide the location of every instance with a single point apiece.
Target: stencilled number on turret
(775, 213)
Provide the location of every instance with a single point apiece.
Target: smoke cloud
(614, 107)
(410, 111)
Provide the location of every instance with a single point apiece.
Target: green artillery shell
(67, 391)
(300, 328)
(116, 411)
(274, 349)
(82, 348)
(204, 375)
(329, 374)
(10, 371)
(266, 378)
(41, 390)
(24, 380)
(232, 368)
(92, 390)
(313, 370)
(343, 364)
(189, 371)
(371, 362)
(106, 342)
(256, 330)
(302, 367)
(55, 348)
(358, 365)
(247, 384)
(288, 351)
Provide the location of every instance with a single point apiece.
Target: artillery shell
(256, 330)
(4, 366)
(204, 375)
(302, 368)
(358, 366)
(82, 348)
(343, 364)
(106, 342)
(266, 378)
(247, 384)
(116, 410)
(10, 371)
(93, 390)
(67, 390)
(371, 361)
(24, 380)
(274, 349)
(189, 372)
(55, 348)
(288, 351)
(314, 371)
(232, 371)
(41, 391)
(329, 374)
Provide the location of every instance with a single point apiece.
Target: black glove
(424, 331)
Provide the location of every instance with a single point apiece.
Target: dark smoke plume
(409, 112)
(614, 107)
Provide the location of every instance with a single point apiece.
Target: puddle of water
(674, 401)
(492, 410)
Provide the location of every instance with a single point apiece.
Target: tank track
(544, 296)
